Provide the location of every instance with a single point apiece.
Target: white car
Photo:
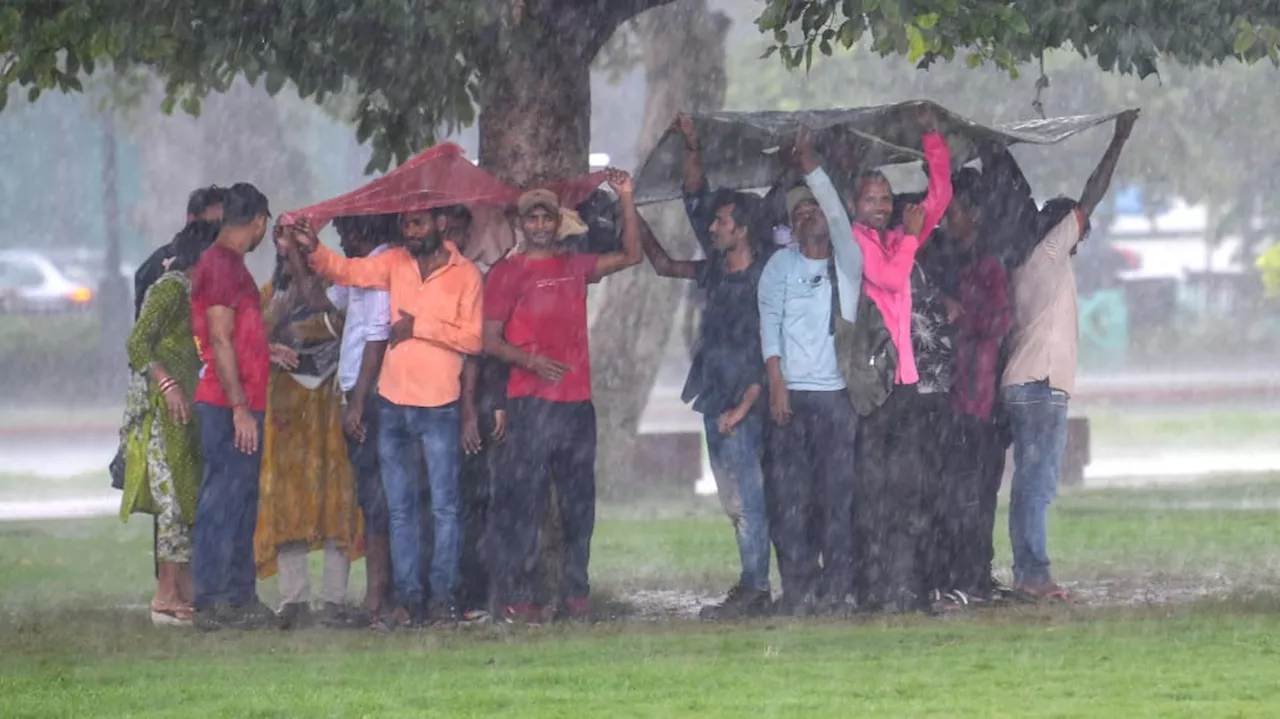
(30, 282)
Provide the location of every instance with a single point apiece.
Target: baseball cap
(538, 198)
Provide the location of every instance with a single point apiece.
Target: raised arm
(1096, 188)
(661, 261)
(631, 253)
(372, 273)
(938, 156)
(694, 177)
(848, 254)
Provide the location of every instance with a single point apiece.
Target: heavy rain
(639, 358)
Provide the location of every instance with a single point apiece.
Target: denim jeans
(364, 465)
(735, 462)
(222, 567)
(437, 431)
(1038, 420)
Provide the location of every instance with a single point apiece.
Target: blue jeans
(222, 567)
(438, 432)
(735, 462)
(1038, 419)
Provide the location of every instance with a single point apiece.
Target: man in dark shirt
(726, 377)
(203, 204)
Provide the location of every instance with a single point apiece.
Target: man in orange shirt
(436, 313)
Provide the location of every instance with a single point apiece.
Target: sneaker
(522, 613)
(254, 615)
(211, 619)
(739, 603)
(335, 616)
(786, 606)
(440, 614)
(295, 615)
(577, 608)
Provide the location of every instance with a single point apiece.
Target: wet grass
(70, 651)
(1206, 430)
(1201, 661)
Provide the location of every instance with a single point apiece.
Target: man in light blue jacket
(813, 425)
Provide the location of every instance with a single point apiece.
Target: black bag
(864, 351)
(116, 470)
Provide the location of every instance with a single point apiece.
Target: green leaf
(927, 21)
(825, 47)
(274, 81)
(916, 46)
(191, 105)
(848, 33)
(769, 52)
(33, 94)
(168, 103)
(1245, 40)
(1018, 23)
(4, 98)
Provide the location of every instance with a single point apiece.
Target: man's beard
(425, 246)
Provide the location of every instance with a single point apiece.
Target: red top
(220, 279)
(544, 305)
(984, 295)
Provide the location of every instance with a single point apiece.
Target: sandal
(171, 614)
(1044, 592)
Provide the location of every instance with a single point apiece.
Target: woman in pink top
(889, 508)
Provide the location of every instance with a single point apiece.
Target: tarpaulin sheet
(438, 177)
(739, 149)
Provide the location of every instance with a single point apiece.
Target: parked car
(31, 283)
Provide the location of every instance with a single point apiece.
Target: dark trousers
(474, 491)
(546, 442)
(974, 468)
(934, 552)
(890, 511)
(222, 566)
(811, 490)
(364, 465)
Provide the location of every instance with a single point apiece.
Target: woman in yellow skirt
(308, 499)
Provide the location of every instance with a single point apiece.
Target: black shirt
(147, 274)
(727, 358)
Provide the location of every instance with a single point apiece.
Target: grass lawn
(70, 650)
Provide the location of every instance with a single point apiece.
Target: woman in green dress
(162, 444)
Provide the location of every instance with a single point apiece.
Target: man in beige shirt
(1041, 372)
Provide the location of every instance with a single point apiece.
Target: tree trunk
(535, 125)
(684, 57)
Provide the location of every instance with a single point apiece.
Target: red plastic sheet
(437, 177)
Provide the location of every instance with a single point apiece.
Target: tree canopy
(415, 68)
(1124, 37)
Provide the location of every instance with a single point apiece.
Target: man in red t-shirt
(230, 401)
(535, 312)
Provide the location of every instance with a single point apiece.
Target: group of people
(862, 362)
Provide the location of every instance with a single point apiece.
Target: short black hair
(745, 205)
(373, 228)
(457, 212)
(1053, 213)
(966, 186)
(243, 202)
(203, 198)
(863, 178)
(191, 242)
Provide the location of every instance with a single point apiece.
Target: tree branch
(602, 18)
